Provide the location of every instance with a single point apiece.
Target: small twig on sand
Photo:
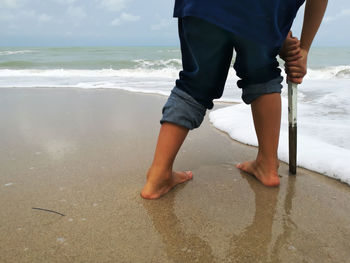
(47, 210)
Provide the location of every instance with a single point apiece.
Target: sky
(124, 22)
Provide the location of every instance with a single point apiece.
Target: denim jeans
(207, 52)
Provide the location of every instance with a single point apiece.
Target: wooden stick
(292, 119)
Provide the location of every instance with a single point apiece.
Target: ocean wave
(137, 72)
(91, 64)
(159, 64)
(169, 51)
(145, 68)
(15, 52)
(142, 68)
(345, 74)
(335, 72)
(82, 64)
(142, 79)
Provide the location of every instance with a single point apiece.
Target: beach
(323, 108)
(84, 153)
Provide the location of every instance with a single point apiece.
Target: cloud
(65, 2)
(76, 12)
(114, 5)
(7, 17)
(162, 24)
(129, 17)
(44, 18)
(124, 17)
(341, 14)
(11, 3)
(27, 13)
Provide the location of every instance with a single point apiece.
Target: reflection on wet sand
(287, 223)
(256, 243)
(262, 241)
(253, 243)
(179, 246)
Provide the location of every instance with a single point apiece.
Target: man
(209, 31)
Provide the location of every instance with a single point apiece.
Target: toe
(247, 167)
(180, 177)
(189, 175)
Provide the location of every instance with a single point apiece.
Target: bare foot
(266, 175)
(157, 186)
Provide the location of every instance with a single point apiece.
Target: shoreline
(217, 105)
(84, 153)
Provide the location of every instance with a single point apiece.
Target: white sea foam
(15, 52)
(323, 143)
(159, 81)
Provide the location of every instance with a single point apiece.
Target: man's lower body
(207, 52)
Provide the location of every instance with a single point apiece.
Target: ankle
(157, 172)
(267, 161)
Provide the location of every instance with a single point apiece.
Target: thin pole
(292, 119)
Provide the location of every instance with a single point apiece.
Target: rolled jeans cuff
(183, 110)
(254, 91)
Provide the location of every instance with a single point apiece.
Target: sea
(323, 97)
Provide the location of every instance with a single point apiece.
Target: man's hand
(297, 69)
(295, 59)
(290, 48)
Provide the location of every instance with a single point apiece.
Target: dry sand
(84, 153)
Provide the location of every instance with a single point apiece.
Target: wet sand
(84, 153)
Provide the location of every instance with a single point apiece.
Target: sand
(84, 153)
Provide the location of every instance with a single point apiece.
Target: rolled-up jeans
(207, 52)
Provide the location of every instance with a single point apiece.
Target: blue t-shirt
(265, 21)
